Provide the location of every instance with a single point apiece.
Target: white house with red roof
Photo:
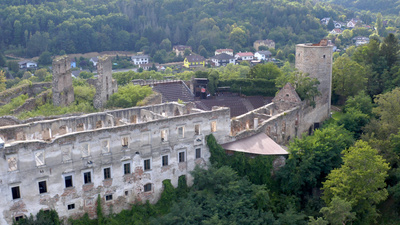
(244, 56)
(336, 31)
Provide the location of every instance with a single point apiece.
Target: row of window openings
(87, 176)
(16, 193)
(39, 158)
(39, 155)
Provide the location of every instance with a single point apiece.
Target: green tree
(3, 80)
(348, 77)
(41, 74)
(3, 61)
(267, 71)
(129, 96)
(338, 212)
(45, 58)
(390, 50)
(330, 25)
(238, 37)
(312, 158)
(360, 180)
(13, 66)
(86, 75)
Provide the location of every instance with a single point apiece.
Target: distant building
(73, 63)
(94, 60)
(263, 55)
(140, 59)
(336, 31)
(359, 40)
(352, 23)
(268, 43)
(26, 64)
(223, 59)
(180, 49)
(194, 60)
(325, 20)
(226, 51)
(147, 66)
(244, 56)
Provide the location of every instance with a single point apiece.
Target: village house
(140, 59)
(226, 51)
(353, 22)
(223, 59)
(27, 64)
(180, 49)
(359, 40)
(94, 60)
(147, 66)
(244, 56)
(194, 60)
(263, 55)
(267, 43)
(336, 31)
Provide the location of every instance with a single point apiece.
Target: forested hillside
(382, 6)
(77, 26)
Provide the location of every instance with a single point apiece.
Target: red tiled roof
(224, 50)
(241, 54)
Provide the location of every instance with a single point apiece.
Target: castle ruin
(104, 84)
(124, 155)
(63, 91)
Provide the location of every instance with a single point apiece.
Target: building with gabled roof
(194, 60)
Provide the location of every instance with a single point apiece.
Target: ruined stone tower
(316, 60)
(63, 91)
(105, 85)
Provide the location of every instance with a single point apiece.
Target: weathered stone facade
(316, 60)
(63, 91)
(104, 84)
(123, 155)
(287, 116)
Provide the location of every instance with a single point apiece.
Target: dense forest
(76, 26)
(382, 6)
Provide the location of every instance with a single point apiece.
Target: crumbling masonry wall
(51, 150)
(105, 85)
(63, 91)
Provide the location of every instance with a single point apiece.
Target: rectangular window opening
(197, 129)
(198, 153)
(42, 187)
(125, 142)
(109, 197)
(165, 160)
(107, 173)
(181, 156)
(68, 181)
(147, 165)
(18, 218)
(164, 136)
(213, 126)
(181, 132)
(127, 168)
(87, 178)
(71, 206)
(15, 192)
(147, 187)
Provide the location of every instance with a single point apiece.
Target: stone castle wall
(50, 157)
(63, 91)
(32, 90)
(105, 85)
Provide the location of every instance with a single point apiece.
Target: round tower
(316, 60)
